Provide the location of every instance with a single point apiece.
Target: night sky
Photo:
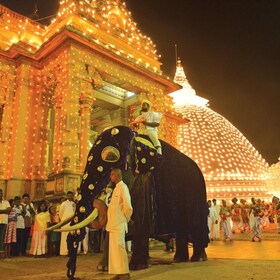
(230, 50)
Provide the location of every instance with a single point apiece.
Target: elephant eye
(110, 154)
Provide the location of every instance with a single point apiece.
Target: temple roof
(106, 23)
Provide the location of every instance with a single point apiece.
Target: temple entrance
(110, 108)
(103, 115)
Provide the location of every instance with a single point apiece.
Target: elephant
(168, 195)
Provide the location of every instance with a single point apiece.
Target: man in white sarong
(212, 219)
(216, 230)
(119, 213)
(148, 122)
(66, 210)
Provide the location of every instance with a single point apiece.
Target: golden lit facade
(232, 167)
(63, 84)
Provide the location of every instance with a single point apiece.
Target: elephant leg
(182, 251)
(140, 252)
(199, 253)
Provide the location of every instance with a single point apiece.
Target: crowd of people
(242, 217)
(22, 226)
(21, 221)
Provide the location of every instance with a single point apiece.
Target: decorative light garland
(89, 19)
(230, 164)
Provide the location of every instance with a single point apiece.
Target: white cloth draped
(119, 213)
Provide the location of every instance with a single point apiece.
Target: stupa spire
(186, 95)
(181, 79)
(180, 76)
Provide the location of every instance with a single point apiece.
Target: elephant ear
(146, 157)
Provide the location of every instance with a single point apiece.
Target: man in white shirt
(216, 230)
(66, 210)
(149, 121)
(5, 209)
(212, 219)
(119, 213)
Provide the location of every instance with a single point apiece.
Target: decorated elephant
(168, 196)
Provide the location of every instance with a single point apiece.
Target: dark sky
(230, 50)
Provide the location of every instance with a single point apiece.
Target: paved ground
(240, 259)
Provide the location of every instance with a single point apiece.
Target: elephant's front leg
(142, 201)
(140, 253)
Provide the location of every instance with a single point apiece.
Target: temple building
(231, 166)
(63, 84)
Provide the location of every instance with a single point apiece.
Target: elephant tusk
(93, 215)
(62, 223)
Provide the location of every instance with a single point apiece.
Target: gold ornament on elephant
(114, 131)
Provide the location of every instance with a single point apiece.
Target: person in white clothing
(119, 213)
(225, 213)
(216, 230)
(148, 122)
(84, 243)
(5, 209)
(212, 219)
(66, 210)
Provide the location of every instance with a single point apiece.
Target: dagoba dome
(231, 166)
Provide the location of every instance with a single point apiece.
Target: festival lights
(48, 133)
(107, 23)
(230, 164)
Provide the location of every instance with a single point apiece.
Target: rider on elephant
(148, 122)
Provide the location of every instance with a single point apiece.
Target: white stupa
(232, 167)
